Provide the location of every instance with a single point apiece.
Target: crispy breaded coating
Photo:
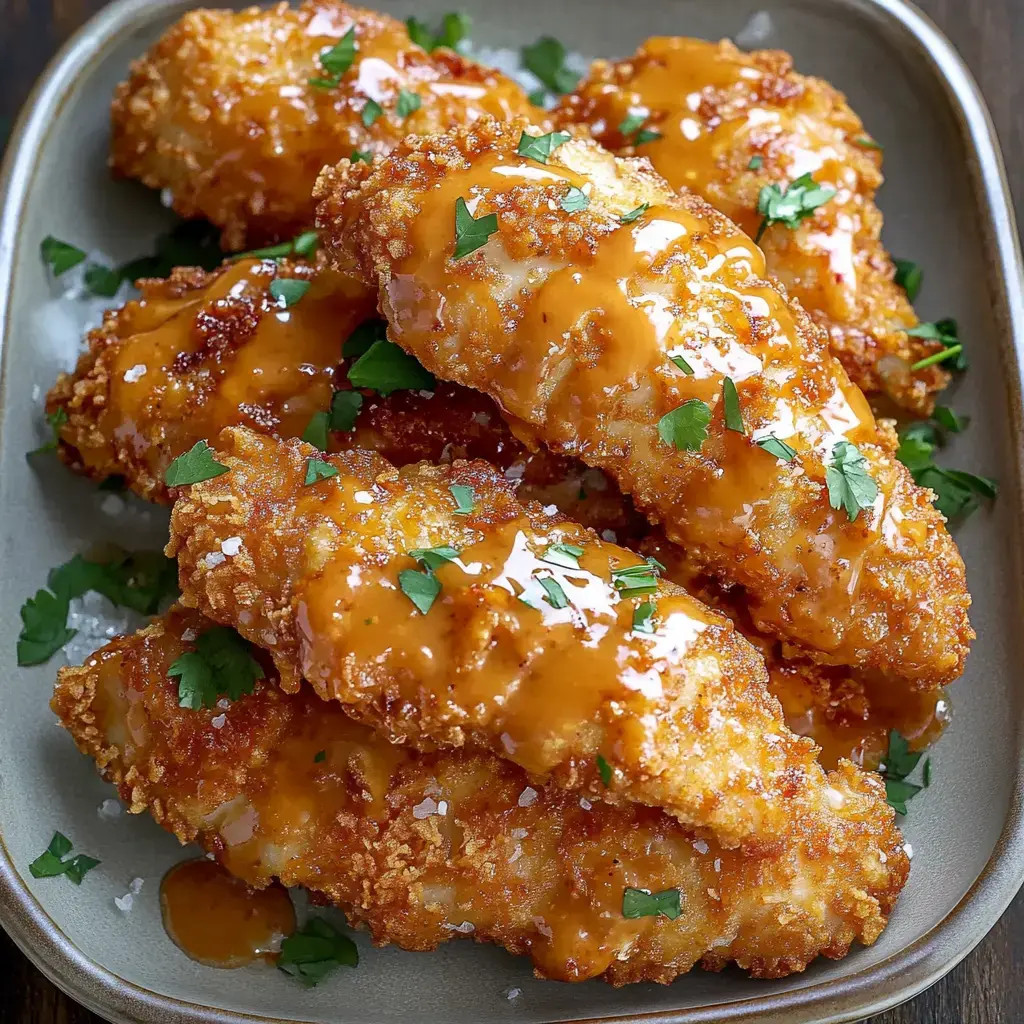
(222, 112)
(538, 641)
(574, 322)
(728, 124)
(421, 848)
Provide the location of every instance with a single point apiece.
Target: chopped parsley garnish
(948, 333)
(686, 428)
(302, 245)
(778, 448)
(141, 582)
(408, 103)
(454, 30)
(756, 162)
(55, 861)
(60, 256)
(546, 59)
(385, 368)
(575, 200)
(909, 277)
(190, 243)
(632, 124)
(950, 420)
(337, 60)
(900, 762)
(221, 665)
(555, 595)
(102, 281)
(316, 432)
(643, 903)
(604, 769)
(372, 110)
(471, 233)
(637, 580)
(628, 218)
(566, 555)
(345, 406)
(434, 558)
(800, 199)
(731, 404)
(312, 953)
(359, 342)
(643, 617)
(540, 147)
(465, 499)
(363, 155)
(319, 757)
(421, 588)
(680, 363)
(55, 420)
(868, 143)
(317, 470)
(537, 97)
(286, 291)
(850, 486)
(194, 466)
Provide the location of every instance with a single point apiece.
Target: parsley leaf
(643, 617)
(102, 281)
(385, 368)
(950, 420)
(538, 96)
(345, 406)
(774, 446)
(546, 59)
(358, 343)
(731, 402)
(43, 627)
(288, 290)
(465, 499)
(800, 199)
(316, 431)
(628, 218)
(312, 953)
(850, 486)
(899, 762)
(408, 103)
(540, 147)
(371, 111)
(646, 135)
(555, 595)
(221, 665)
(52, 863)
(471, 233)
(604, 769)
(317, 470)
(948, 333)
(60, 256)
(566, 555)
(56, 420)
(363, 155)
(421, 588)
(194, 466)
(909, 277)
(680, 363)
(434, 558)
(755, 163)
(643, 903)
(319, 757)
(190, 243)
(304, 245)
(454, 30)
(637, 580)
(574, 200)
(337, 60)
(686, 428)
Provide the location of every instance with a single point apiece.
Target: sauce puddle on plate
(218, 920)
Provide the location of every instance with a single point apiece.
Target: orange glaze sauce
(218, 920)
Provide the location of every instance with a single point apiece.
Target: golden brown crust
(541, 876)
(716, 110)
(221, 111)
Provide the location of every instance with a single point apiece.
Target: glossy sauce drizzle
(218, 920)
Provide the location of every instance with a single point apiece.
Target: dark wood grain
(988, 987)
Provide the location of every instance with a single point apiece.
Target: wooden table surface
(988, 987)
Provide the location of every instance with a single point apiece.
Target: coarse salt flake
(231, 546)
(135, 373)
(527, 797)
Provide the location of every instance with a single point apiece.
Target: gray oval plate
(947, 206)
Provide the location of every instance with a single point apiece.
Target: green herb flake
(465, 499)
(386, 368)
(55, 420)
(304, 245)
(286, 291)
(947, 332)
(555, 595)
(540, 147)
(421, 588)
(731, 403)
(575, 200)
(319, 757)
(792, 205)
(317, 470)
(643, 903)
(195, 466)
(471, 233)
(538, 97)
(566, 555)
(686, 428)
(103, 282)
(54, 861)
(774, 446)
(868, 143)
(361, 156)
(190, 243)
(43, 628)
(312, 953)
(900, 761)
(345, 407)
(408, 103)
(434, 558)
(926, 774)
(909, 276)
(455, 29)
(546, 59)
(631, 122)
(950, 420)
(637, 580)
(628, 218)
(643, 617)
(372, 110)
(337, 60)
(360, 341)
(756, 162)
(646, 135)
(849, 484)
(221, 665)
(316, 432)
(604, 769)
(680, 363)
(60, 256)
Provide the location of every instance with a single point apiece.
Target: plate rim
(869, 991)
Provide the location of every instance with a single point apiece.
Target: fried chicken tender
(531, 637)
(420, 848)
(729, 124)
(225, 114)
(574, 322)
